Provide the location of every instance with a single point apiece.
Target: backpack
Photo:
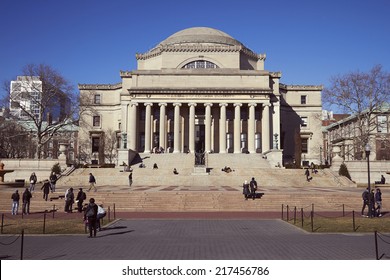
(90, 211)
(83, 196)
(365, 195)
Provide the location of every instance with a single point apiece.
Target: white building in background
(201, 90)
(25, 93)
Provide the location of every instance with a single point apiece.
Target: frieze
(199, 92)
(301, 87)
(99, 86)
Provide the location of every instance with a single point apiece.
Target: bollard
(2, 223)
(22, 245)
(44, 222)
(376, 246)
(54, 209)
(343, 210)
(353, 220)
(114, 212)
(302, 217)
(312, 221)
(295, 215)
(287, 212)
(282, 211)
(109, 214)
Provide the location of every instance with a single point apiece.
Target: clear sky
(90, 41)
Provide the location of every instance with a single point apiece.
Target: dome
(197, 35)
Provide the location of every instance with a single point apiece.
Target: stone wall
(358, 170)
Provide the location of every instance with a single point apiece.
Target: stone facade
(201, 90)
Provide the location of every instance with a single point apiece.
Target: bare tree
(14, 140)
(110, 142)
(45, 99)
(362, 95)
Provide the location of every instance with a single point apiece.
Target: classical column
(176, 128)
(148, 128)
(208, 127)
(237, 128)
(124, 127)
(222, 128)
(132, 133)
(276, 125)
(251, 128)
(191, 132)
(265, 128)
(162, 125)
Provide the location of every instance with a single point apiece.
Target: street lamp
(367, 148)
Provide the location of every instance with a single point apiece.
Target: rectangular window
(382, 124)
(96, 121)
(303, 121)
(95, 144)
(96, 99)
(303, 99)
(304, 147)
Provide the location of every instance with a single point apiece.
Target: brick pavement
(193, 239)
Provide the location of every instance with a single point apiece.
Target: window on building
(382, 124)
(96, 99)
(95, 144)
(200, 64)
(96, 121)
(304, 145)
(303, 99)
(303, 121)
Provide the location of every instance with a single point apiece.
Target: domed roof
(196, 35)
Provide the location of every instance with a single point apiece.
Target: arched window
(200, 64)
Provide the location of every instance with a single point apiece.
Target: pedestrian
(33, 180)
(366, 199)
(15, 202)
(378, 202)
(90, 215)
(53, 180)
(46, 189)
(175, 171)
(245, 189)
(81, 196)
(100, 215)
(92, 182)
(253, 186)
(155, 166)
(26, 197)
(371, 203)
(383, 180)
(307, 174)
(69, 200)
(130, 179)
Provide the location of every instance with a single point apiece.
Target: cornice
(198, 48)
(99, 86)
(301, 87)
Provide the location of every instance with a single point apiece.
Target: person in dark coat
(46, 189)
(245, 189)
(92, 182)
(378, 202)
(26, 201)
(81, 196)
(69, 200)
(33, 180)
(53, 180)
(366, 199)
(15, 202)
(253, 185)
(90, 215)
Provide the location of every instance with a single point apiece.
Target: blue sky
(90, 41)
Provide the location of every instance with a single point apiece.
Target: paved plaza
(194, 239)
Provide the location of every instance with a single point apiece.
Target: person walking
(46, 189)
(53, 180)
(33, 180)
(378, 202)
(100, 215)
(69, 200)
(253, 186)
(81, 196)
(366, 199)
(130, 179)
(26, 197)
(90, 215)
(92, 182)
(245, 189)
(307, 174)
(15, 202)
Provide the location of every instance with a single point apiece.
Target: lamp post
(367, 148)
(321, 156)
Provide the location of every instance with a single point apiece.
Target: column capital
(267, 104)
(148, 104)
(252, 104)
(192, 104)
(208, 104)
(177, 104)
(133, 103)
(223, 104)
(162, 104)
(237, 104)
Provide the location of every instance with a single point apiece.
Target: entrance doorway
(199, 138)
